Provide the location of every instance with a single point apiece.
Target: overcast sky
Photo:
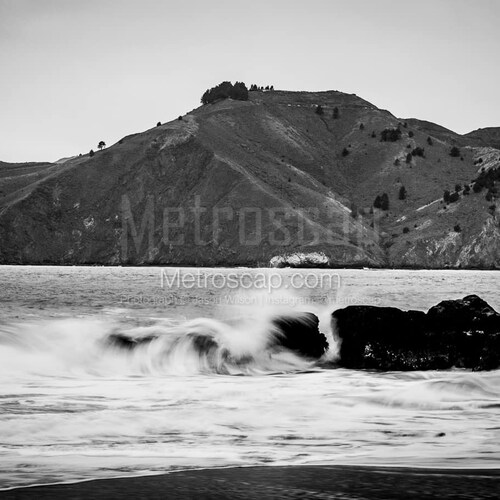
(74, 72)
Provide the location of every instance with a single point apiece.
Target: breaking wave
(152, 347)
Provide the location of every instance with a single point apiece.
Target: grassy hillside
(238, 182)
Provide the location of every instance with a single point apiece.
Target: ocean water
(74, 406)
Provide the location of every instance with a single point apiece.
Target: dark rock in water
(374, 336)
(455, 333)
(469, 313)
(301, 335)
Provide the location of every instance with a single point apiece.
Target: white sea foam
(73, 406)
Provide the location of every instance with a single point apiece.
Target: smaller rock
(301, 334)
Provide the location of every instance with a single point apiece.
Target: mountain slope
(238, 182)
(489, 136)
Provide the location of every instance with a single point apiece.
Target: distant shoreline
(251, 266)
(295, 481)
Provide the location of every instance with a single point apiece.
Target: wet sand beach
(325, 482)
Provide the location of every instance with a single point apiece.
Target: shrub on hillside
(335, 113)
(429, 141)
(418, 151)
(402, 193)
(385, 202)
(406, 230)
(390, 135)
(319, 110)
(410, 134)
(354, 211)
(345, 152)
(454, 152)
(408, 158)
(450, 197)
(457, 228)
(382, 202)
(487, 178)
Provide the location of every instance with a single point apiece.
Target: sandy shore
(335, 482)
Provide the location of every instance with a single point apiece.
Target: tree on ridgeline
(238, 91)
(101, 145)
(91, 153)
